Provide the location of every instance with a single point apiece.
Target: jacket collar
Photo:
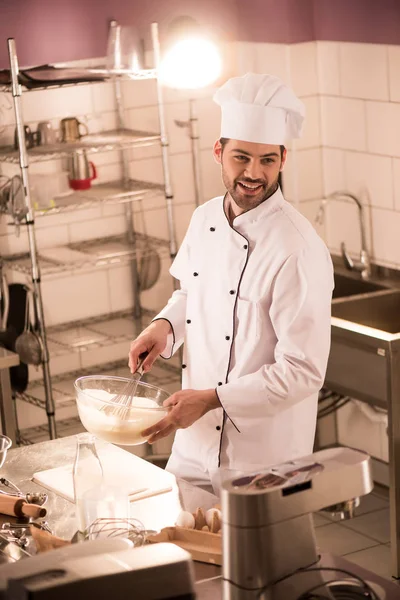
(263, 210)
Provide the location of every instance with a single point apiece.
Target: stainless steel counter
(22, 462)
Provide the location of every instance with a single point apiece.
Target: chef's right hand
(152, 340)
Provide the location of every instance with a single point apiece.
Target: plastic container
(112, 422)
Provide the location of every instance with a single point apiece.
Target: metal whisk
(133, 529)
(123, 400)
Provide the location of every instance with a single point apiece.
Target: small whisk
(123, 400)
(130, 528)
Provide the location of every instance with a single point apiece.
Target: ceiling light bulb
(191, 64)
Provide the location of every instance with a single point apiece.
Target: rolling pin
(18, 507)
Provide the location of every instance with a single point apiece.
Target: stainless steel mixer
(269, 546)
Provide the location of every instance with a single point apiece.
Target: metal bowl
(118, 422)
(5, 444)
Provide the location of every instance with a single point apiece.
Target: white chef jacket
(254, 314)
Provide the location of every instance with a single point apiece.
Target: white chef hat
(259, 108)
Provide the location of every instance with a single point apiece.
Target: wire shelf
(96, 332)
(100, 142)
(104, 76)
(40, 433)
(113, 192)
(100, 252)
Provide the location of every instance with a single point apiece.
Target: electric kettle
(81, 171)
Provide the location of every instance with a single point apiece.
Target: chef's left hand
(185, 407)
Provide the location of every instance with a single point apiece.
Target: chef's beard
(246, 203)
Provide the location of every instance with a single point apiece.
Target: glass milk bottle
(87, 475)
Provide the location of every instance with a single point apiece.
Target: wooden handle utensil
(18, 507)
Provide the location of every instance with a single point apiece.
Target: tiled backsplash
(351, 138)
(351, 141)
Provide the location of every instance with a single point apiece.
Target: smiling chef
(254, 305)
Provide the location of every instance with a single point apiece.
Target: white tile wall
(364, 71)
(333, 170)
(303, 68)
(385, 236)
(394, 72)
(97, 228)
(383, 128)
(209, 115)
(211, 176)
(309, 172)
(274, 59)
(351, 141)
(370, 177)
(396, 182)
(246, 57)
(310, 209)
(343, 123)
(75, 297)
(57, 103)
(343, 225)
(103, 97)
(328, 68)
(134, 95)
(311, 137)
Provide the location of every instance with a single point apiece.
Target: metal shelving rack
(102, 253)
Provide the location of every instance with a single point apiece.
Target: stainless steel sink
(350, 286)
(379, 310)
(364, 363)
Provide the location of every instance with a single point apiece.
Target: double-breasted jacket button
(245, 246)
(195, 274)
(183, 366)
(219, 382)
(232, 292)
(188, 321)
(227, 337)
(212, 228)
(218, 428)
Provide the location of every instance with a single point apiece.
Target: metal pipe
(129, 217)
(164, 148)
(196, 155)
(30, 224)
(343, 194)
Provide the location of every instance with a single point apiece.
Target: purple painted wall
(372, 21)
(277, 21)
(63, 30)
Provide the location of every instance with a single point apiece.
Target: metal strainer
(149, 261)
(29, 345)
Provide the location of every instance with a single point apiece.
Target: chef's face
(249, 171)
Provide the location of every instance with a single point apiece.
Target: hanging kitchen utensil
(29, 345)
(149, 263)
(4, 192)
(13, 321)
(16, 202)
(4, 299)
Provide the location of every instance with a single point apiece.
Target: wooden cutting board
(202, 545)
(138, 477)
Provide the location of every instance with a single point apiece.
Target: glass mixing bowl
(116, 422)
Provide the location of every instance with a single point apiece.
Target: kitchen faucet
(364, 265)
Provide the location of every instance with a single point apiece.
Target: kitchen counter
(156, 512)
(22, 462)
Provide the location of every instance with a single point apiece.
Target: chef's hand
(185, 407)
(152, 340)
